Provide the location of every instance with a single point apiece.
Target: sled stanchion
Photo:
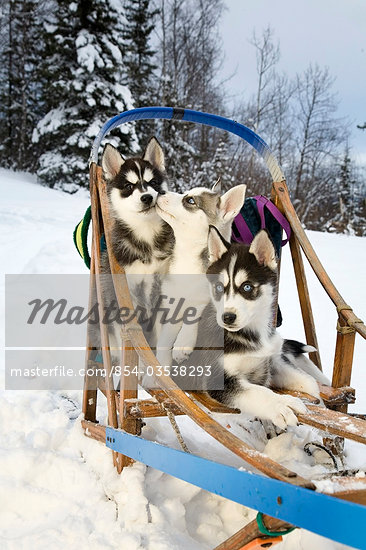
(128, 390)
(110, 393)
(343, 357)
(302, 287)
(90, 382)
(304, 299)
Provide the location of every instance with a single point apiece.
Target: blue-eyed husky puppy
(255, 356)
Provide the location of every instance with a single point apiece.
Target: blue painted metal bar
(189, 115)
(330, 517)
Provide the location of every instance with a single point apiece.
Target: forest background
(67, 67)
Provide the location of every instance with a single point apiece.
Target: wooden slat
(302, 287)
(93, 430)
(211, 404)
(276, 202)
(251, 532)
(335, 422)
(349, 488)
(333, 397)
(148, 408)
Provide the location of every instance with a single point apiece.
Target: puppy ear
(154, 154)
(231, 202)
(216, 188)
(112, 162)
(263, 249)
(217, 246)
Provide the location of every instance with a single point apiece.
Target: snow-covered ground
(59, 488)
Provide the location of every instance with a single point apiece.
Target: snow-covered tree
(139, 24)
(139, 58)
(189, 58)
(19, 101)
(84, 84)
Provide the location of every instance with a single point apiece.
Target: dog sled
(285, 499)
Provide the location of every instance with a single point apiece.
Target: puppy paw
(180, 355)
(283, 411)
(309, 385)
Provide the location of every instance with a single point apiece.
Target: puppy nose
(228, 318)
(147, 199)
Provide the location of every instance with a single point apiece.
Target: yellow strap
(78, 239)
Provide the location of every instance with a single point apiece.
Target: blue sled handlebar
(188, 115)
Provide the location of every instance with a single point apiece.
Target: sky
(331, 33)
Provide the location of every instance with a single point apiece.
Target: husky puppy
(141, 240)
(255, 356)
(190, 215)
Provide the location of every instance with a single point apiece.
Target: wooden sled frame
(126, 411)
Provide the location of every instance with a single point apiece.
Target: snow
(52, 121)
(60, 487)
(87, 52)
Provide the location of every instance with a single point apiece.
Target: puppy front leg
(264, 403)
(288, 377)
(167, 337)
(186, 340)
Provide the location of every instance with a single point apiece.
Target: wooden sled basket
(285, 497)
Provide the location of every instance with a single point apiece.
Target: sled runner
(285, 497)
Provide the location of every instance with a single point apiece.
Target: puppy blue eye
(247, 287)
(129, 187)
(190, 200)
(219, 287)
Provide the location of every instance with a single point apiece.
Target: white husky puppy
(190, 215)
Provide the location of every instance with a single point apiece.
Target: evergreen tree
(351, 197)
(345, 192)
(83, 82)
(139, 59)
(19, 106)
(139, 24)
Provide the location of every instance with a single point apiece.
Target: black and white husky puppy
(255, 356)
(141, 240)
